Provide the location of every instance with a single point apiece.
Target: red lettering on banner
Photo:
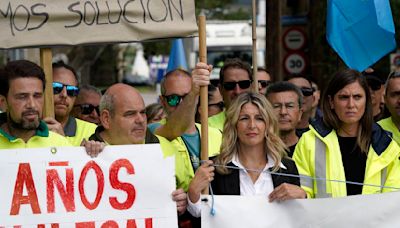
(110, 224)
(66, 193)
(131, 223)
(24, 178)
(148, 222)
(85, 225)
(100, 185)
(126, 187)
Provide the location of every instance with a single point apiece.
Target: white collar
(235, 160)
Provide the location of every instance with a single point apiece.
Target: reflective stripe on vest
(383, 178)
(320, 169)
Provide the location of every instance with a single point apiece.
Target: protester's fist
(180, 197)
(93, 148)
(200, 76)
(54, 125)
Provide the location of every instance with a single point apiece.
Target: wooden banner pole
(46, 64)
(203, 92)
(254, 38)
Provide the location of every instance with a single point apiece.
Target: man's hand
(200, 77)
(287, 191)
(54, 125)
(202, 178)
(180, 197)
(93, 148)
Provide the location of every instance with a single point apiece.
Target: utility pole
(273, 39)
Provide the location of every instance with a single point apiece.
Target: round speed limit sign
(295, 63)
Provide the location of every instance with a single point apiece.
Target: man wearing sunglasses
(86, 106)
(305, 86)
(235, 79)
(377, 89)
(264, 79)
(179, 97)
(65, 90)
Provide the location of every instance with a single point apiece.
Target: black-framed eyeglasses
(87, 109)
(307, 91)
(173, 100)
(72, 91)
(244, 84)
(220, 105)
(264, 83)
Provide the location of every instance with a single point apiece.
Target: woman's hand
(287, 191)
(202, 178)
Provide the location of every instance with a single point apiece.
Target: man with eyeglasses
(264, 79)
(234, 79)
(392, 102)
(86, 106)
(65, 90)
(305, 86)
(286, 100)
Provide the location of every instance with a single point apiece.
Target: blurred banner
(27, 23)
(379, 210)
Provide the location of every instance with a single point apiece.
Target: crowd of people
(254, 137)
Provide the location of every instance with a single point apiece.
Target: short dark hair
(263, 69)
(61, 64)
(19, 69)
(235, 63)
(284, 86)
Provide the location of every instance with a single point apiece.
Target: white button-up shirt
(262, 186)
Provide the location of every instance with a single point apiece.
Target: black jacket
(230, 185)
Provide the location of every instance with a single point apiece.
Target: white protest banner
(28, 23)
(125, 186)
(379, 210)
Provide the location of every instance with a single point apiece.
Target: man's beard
(24, 124)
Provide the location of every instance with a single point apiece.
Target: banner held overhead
(27, 23)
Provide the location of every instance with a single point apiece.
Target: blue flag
(177, 58)
(360, 31)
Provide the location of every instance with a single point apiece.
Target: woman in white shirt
(250, 150)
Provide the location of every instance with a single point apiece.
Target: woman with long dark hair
(346, 145)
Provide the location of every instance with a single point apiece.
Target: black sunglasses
(307, 91)
(87, 109)
(264, 83)
(244, 84)
(72, 91)
(173, 100)
(220, 105)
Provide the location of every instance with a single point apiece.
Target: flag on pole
(360, 31)
(177, 58)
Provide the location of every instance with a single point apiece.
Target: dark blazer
(230, 185)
